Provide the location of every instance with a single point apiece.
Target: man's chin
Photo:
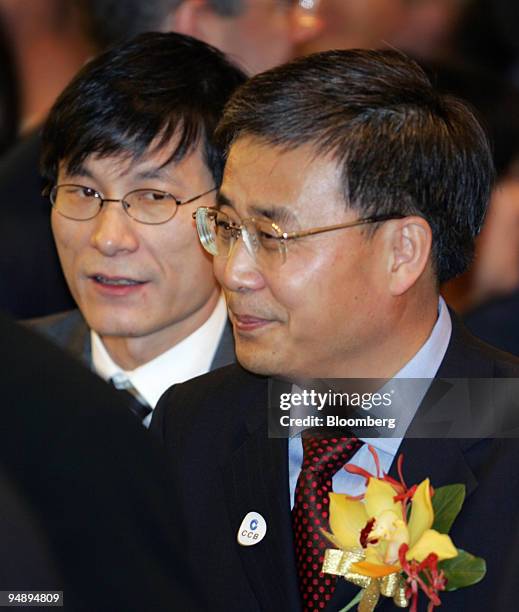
(117, 328)
(257, 361)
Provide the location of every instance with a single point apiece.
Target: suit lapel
(441, 460)
(79, 342)
(256, 479)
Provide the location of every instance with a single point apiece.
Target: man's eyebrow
(153, 173)
(162, 173)
(78, 170)
(278, 214)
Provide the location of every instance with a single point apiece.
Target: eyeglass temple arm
(200, 195)
(330, 228)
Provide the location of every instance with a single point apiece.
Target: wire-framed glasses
(148, 206)
(263, 238)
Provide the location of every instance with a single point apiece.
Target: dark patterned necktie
(137, 404)
(323, 456)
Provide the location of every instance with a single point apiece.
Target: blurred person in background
(496, 267)
(497, 320)
(256, 33)
(478, 32)
(350, 24)
(48, 46)
(428, 28)
(51, 39)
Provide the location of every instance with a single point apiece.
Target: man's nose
(239, 271)
(114, 230)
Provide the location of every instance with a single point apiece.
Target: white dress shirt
(405, 403)
(189, 358)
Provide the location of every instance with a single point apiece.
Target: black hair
(401, 146)
(140, 94)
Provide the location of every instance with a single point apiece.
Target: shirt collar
(189, 358)
(427, 361)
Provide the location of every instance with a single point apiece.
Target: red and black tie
(323, 456)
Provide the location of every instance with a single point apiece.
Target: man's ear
(409, 241)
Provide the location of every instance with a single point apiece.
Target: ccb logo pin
(252, 529)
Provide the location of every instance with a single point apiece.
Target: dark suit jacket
(70, 331)
(31, 280)
(31, 564)
(93, 484)
(215, 431)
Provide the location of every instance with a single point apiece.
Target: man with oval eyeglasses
(128, 155)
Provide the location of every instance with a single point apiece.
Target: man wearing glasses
(127, 155)
(351, 190)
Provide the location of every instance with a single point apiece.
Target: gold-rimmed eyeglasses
(148, 206)
(262, 238)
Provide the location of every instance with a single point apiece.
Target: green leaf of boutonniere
(463, 570)
(447, 502)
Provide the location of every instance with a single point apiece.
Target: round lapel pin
(252, 529)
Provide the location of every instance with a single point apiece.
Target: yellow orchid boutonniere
(393, 541)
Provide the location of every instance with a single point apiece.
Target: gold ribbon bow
(339, 562)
